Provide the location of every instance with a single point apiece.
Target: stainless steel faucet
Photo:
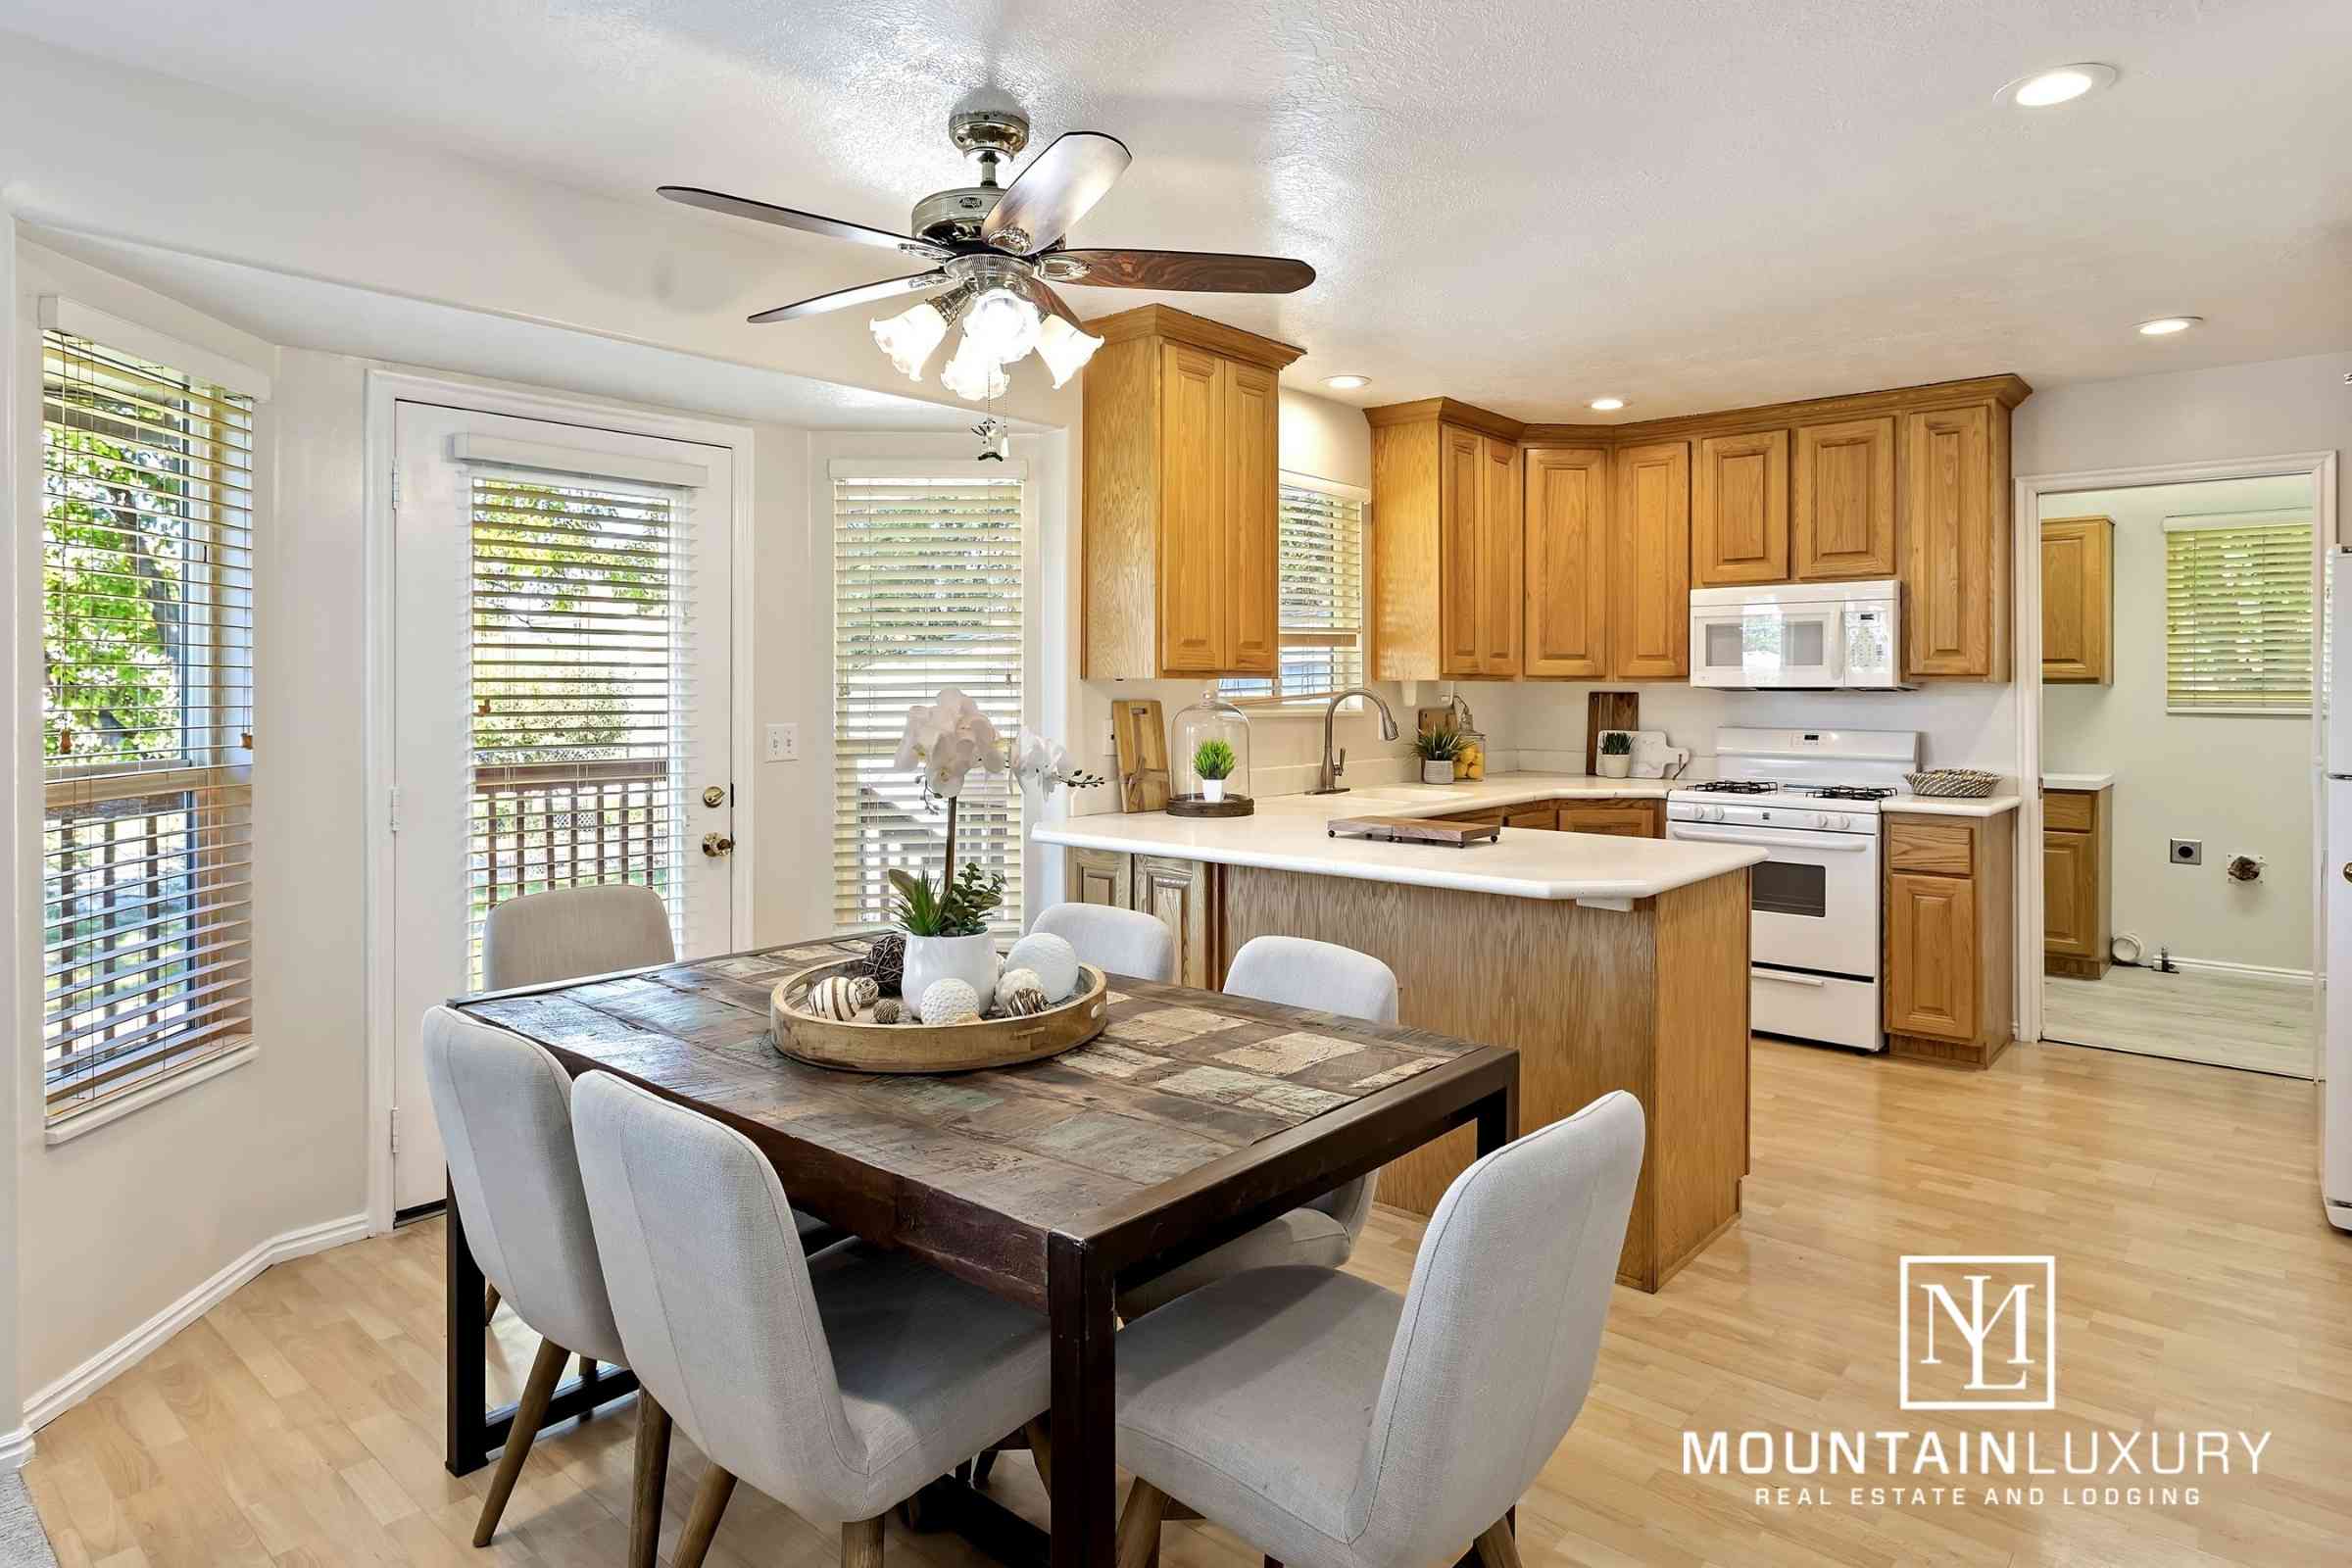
(1327, 781)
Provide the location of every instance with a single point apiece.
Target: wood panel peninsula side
(1609, 962)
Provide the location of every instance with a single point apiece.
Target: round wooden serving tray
(861, 1045)
(1195, 805)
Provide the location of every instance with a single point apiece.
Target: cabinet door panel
(1931, 947)
(1541, 816)
(1192, 502)
(1101, 876)
(1176, 892)
(1650, 563)
(1252, 630)
(1632, 819)
(1740, 509)
(1502, 581)
(1949, 517)
(1843, 511)
(1568, 563)
(2077, 600)
(1461, 486)
(2066, 877)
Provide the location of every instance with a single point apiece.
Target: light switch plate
(783, 743)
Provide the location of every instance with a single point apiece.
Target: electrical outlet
(2188, 852)
(783, 743)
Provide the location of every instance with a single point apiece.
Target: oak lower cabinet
(1546, 816)
(1631, 816)
(1950, 954)
(2078, 922)
(1449, 580)
(1649, 571)
(1179, 548)
(1180, 893)
(2078, 601)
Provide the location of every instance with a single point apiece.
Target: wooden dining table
(1194, 1118)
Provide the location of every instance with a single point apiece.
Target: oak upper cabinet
(2078, 601)
(1178, 544)
(1740, 509)
(1449, 580)
(1567, 504)
(1842, 500)
(1955, 521)
(1649, 564)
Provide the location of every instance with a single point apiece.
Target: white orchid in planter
(946, 739)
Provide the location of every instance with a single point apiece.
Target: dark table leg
(1079, 1306)
(1498, 1115)
(473, 1431)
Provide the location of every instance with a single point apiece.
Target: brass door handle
(2348, 871)
(715, 844)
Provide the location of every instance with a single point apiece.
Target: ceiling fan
(999, 250)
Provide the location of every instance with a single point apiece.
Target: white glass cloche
(1209, 760)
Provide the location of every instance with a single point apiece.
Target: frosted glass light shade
(1064, 348)
(972, 373)
(910, 337)
(1003, 323)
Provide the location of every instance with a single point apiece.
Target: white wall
(2233, 782)
(1542, 723)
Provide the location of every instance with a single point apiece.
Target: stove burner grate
(1737, 786)
(1852, 791)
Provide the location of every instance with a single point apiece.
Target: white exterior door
(562, 684)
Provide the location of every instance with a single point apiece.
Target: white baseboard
(16, 1448)
(2252, 972)
(128, 1351)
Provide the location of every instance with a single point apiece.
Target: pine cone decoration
(886, 962)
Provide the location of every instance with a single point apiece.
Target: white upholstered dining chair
(839, 1385)
(1298, 973)
(1334, 1424)
(504, 1106)
(1115, 940)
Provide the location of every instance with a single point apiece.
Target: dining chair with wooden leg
(840, 1385)
(504, 1106)
(1331, 1423)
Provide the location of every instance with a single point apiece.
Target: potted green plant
(1213, 761)
(1616, 754)
(1438, 749)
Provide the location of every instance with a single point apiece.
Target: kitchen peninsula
(1610, 961)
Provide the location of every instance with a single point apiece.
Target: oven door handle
(1786, 979)
(1765, 838)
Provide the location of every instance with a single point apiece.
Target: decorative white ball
(1053, 960)
(950, 1001)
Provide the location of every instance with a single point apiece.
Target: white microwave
(1799, 636)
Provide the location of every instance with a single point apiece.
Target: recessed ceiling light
(2167, 326)
(2047, 89)
(1606, 404)
(1346, 384)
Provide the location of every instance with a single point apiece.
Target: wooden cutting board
(1141, 739)
(1412, 830)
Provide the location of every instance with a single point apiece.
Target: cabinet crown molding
(1183, 326)
(1447, 410)
(2008, 390)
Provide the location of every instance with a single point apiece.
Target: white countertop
(2077, 782)
(1287, 834)
(1950, 805)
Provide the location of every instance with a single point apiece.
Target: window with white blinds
(927, 593)
(146, 721)
(1320, 594)
(580, 598)
(2237, 614)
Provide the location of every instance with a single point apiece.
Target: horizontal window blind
(2238, 616)
(581, 592)
(146, 721)
(927, 593)
(1320, 593)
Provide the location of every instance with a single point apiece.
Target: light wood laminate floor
(2231, 1021)
(298, 1422)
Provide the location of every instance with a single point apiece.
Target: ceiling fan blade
(1198, 272)
(1053, 304)
(1056, 190)
(712, 200)
(863, 294)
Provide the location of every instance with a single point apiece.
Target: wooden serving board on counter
(1412, 830)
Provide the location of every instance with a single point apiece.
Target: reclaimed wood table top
(975, 1170)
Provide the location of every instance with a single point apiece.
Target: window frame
(1279, 704)
(2291, 519)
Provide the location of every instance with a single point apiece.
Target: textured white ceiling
(1689, 204)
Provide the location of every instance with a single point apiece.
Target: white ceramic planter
(971, 959)
(1212, 789)
(1614, 767)
(1436, 771)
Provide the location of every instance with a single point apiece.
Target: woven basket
(1951, 782)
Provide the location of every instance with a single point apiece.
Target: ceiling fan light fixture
(971, 372)
(1064, 348)
(910, 337)
(1002, 322)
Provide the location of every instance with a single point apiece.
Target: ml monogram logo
(1979, 1333)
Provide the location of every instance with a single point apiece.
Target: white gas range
(1811, 799)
